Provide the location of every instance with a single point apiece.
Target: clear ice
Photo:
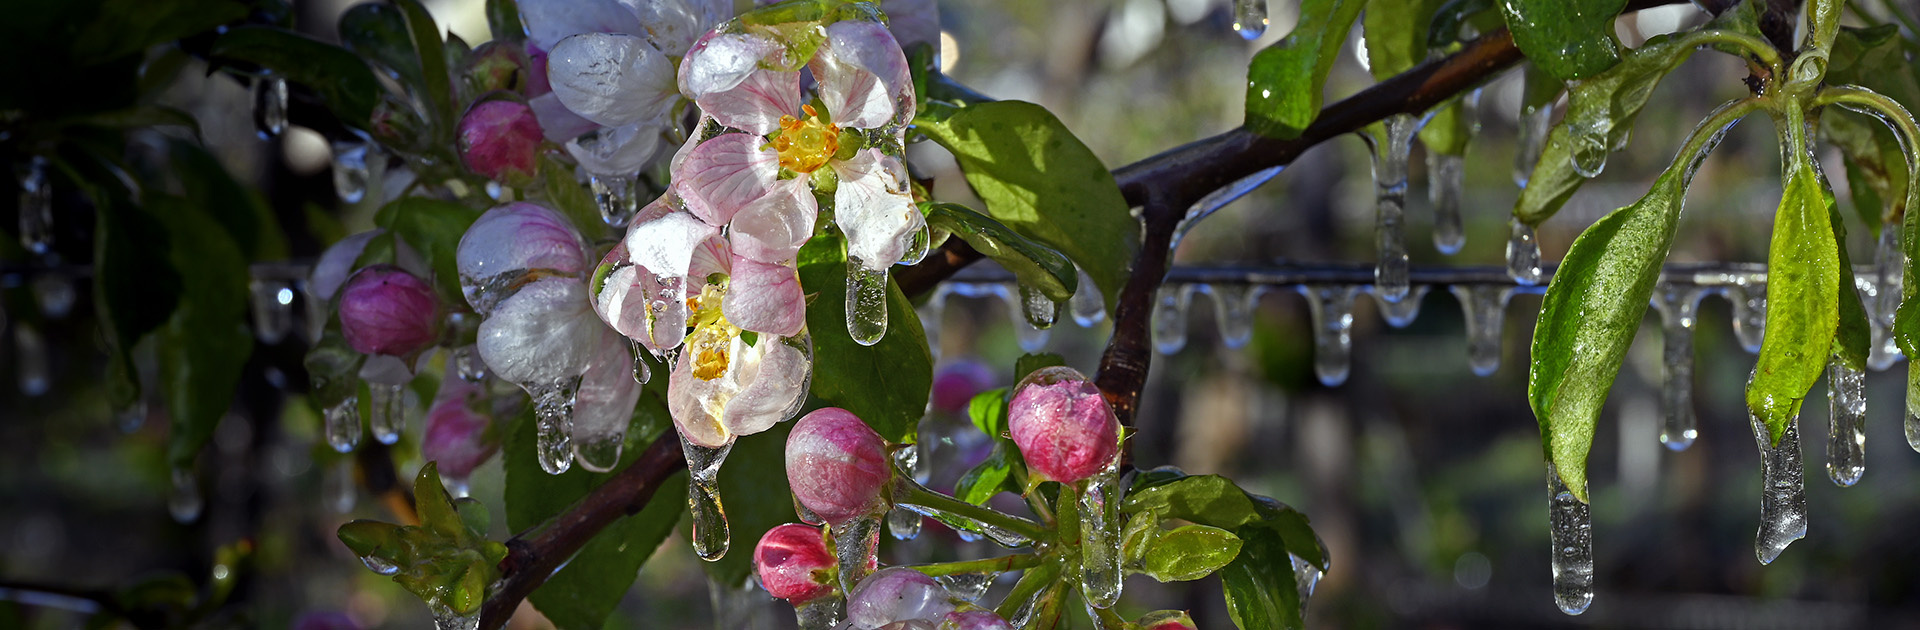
(1390, 154)
(553, 422)
(269, 105)
(1888, 265)
(1446, 183)
(1677, 305)
(389, 409)
(866, 302)
(1534, 124)
(31, 369)
(903, 523)
(1250, 18)
(54, 292)
(1783, 496)
(710, 535)
(185, 503)
(467, 364)
(967, 586)
(1235, 304)
(343, 425)
(1847, 429)
(1169, 319)
(351, 169)
(1100, 557)
(1485, 308)
(1913, 406)
(1572, 535)
(1305, 578)
(1088, 306)
(1523, 254)
(1028, 316)
(855, 543)
(272, 310)
(1331, 306)
(1402, 313)
(617, 197)
(36, 206)
(1748, 293)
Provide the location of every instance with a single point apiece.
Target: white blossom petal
(612, 79)
(864, 80)
(873, 208)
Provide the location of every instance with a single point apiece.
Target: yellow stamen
(805, 145)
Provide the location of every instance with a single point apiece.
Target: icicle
(1572, 534)
(1235, 304)
(185, 503)
(866, 307)
(967, 586)
(1170, 317)
(1088, 306)
(1783, 500)
(272, 310)
(269, 105)
(710, 535)
(1332, 309)
(1250, 18)
(1485, 307)
(1039, 310)
(1390, 155)
(903, 523)
(54, 292)
(855, 543)
(343, 425)
(1402, 313)
(617, 197)
(351, 171)
(1026, 316)
(338, 487)
(918, 245)
(1446, 180)
(553, 419)
(468, 365)
(1847, 432)
(1888, 263)
(30, 360)
(933, 314)
(389, 409)
(36, 206)
(1523, 254)
(1100, 573)
(821, 613)
(1677, 305)
(1749, 297)
(445, 619)
(1534, 126)
(1305, 577)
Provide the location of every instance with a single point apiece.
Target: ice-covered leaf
(1190, 552)
(340, 77)
(1285, 81)
(991, 476)
(1033, 264)
(886, 384)
(1570, 39)
(1853, 335)
(435, 77)
(1396, 34)
(204, 345)
(1803, 280)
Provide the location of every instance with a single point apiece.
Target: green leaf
(1190, 553)
(991, 476)
(1803, 280)
(204, 345)
(1033, 265)
(246, 216)
(1396, 34)
(1445, 30)
(435, 77)
(1450, 128)
(333, 369)
(135, 287)
(378, 32)
(1040, 180)
(129, 27)
(433, 228)
(1286, 81)
(1853, 336)
(1876, 59)
(1259, 584)
(1029, 363)
(1215, 500)
(886, 384)
(1570, 39)
(503, 18)
(1876, 165)
(340, 77)
(988, 410)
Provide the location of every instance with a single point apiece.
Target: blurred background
(1425, 481)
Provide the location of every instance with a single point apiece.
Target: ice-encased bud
(894, 595)
(499, 65)
(543, 333)
(793, 563)
(336, 264)
(957, 383)
(1166, 620)
(384, 310)
(459, 438)
(837, 466)
(974, 620)
(1062, 425)
(500, 140)
(511, 240)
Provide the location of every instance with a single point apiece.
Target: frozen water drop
(1390, 154)
(617, 197)
(855, 544)
(36, 206)
(468, 365)
(1571, 532)
(1250, 18)
(1100, 557)
(821, 613)
(1847, 431)
(967, 586)
(445, 619)
(1446, 177)
(903, 523)
(185, 503)
(1590, 149)
(343, 425)
(1402, 313)
(1677, 305)
(1534, 125)
(1305, 578)
(495, 191)
(1236, 303)
(918, 244)
(1748, 294)
(553, 422)
(378, 565)
(389, 409)
(351, 169)
(338, 488)
(1331, 307)
(1040, 311)
(1523, 254)
(31, 368)
(269, 105)
(1169, 317)
(1783, 497)
(54, 291)
(1032, 337)
(641, 371)
(1889, 262)
(1485, 307)
(710, 535)
(866, 302)
(1088, 306)
(272, 310)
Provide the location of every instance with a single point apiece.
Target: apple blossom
(837, 466)
(1063, 426)
(793, 563)
(500, 140)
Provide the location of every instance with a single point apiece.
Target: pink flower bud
(897, 594)
(794, 564)
(500, 140)
(958, 383)
(384, 310)
(1166, 620)
(975, 620)
(498, 65)
(458, 438)
(1062, 425)
(837, 466)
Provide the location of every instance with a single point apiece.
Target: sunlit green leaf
(1803, 280)
(1570, 39)
(1190, 553)
(886, 384)
(1396, 34)
(1285, 81)
(1033, 264)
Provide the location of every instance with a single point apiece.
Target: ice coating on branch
(793, 563)
(1677, 305)
(458, 438)
(604, 405)
(894, 595)
(500, 140)
(1062, 424)
(837, 466)
(384, 310)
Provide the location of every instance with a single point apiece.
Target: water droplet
(1305, 578)
(1571, 532)
(272, 310)
(343, 425)
(1100, 521)
(1485, 307)
(54, 291)
(388, 404)
(185, 502)
(866, 302)
(351, 169)
(445, 619)
(1748, 293)
(1332, 309)
(855, 543)
(338, 487)
(36, 206)
(710, 535)
(1523, 254)
(1088, 306)
(1446, 183)
(1402, 313)
(1040, 311)
(468, 364)
(269, 105)
(553, 420)
(494, 190)
(1783, 497)
(967, 586)
(1250, 18)
(1534, 127)
(1032, 336)
(1170, 317)
(1889, 263)
(1236, 303)
(903, 523)
(30, 364)
(379, 566)
(1390, 154)
(1590, 149)
(1677, 305)
(617, 197)
(1847, 429)
(918, 244)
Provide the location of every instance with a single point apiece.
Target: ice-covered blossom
(1166, 620)
(974, 620)
(500, 140)
(460, 436)
(385, 310)
(837, 466)
(1063, 427)
(512, 242)
(894, 595)
(793, 563)
(336, 264)
(604, 405)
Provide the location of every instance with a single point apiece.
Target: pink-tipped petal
(665, 245)
(500, 140)
(772, 229)
(557, 123)
(604, 403)
(765, 298)
(772, 391)
(549, 21)
(873, 208)
(458, 437)
(863, 76)
(621, 303)
(685, 403)
(612, 79)
(725, 74)
(722, 175)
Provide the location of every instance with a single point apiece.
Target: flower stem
(984, 565)
(909, 492)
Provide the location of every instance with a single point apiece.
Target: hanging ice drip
(54, 292)
(604, 405)
(1391, 151)
(1100, 571)
(1748, 293)
(1485, 308)
(1331, 307)
(343, 425)
(1677, 305)
(1250, 18)
(1170, 306)
(186, 502)
(1234, 305)
(272, 310)
(1889, 263)
(269, 105)
(904, 523)
(32, 370)
(1402, 313)
(1033, 314)
(1571, 530)
(1523, 254)
(1536, 120)
(710, 533)
(617, 197)
(352, 169)
(1088, 306)
(1847, 417)
(1783, 497)
(1446, 181)
(36, 205)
